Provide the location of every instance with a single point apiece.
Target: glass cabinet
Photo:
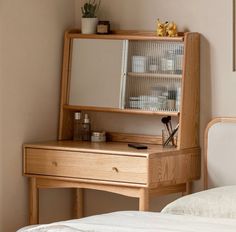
(154, 75)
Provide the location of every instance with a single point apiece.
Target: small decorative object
(103, 27)
(161, 28)
(139, 64)
(166, 29)
(98, 137)
(171, 30)
(86, 128)
(89, 16)
(77, 129)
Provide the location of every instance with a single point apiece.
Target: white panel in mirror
(96, 73)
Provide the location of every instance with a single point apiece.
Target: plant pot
(89, 25)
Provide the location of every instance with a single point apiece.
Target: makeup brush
(169, 118)
(166, 121)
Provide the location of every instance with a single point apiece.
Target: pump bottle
(77, 135)
(86, 128)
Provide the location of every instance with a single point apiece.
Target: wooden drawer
(176, 168)
(86, 165)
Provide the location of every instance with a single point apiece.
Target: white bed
(140, 221)
(208, 211)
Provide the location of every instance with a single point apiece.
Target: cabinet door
(154, 77)
(96, 72)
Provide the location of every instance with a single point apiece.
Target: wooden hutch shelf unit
(113, 166)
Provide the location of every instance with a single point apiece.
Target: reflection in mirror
(96, 72)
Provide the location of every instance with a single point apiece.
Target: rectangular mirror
(97, 71)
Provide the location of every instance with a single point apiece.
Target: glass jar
(179, 54)
(98, 137)
(170, 62)
(103, 27)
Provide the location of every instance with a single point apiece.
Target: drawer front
(181, 167)
(86, 165)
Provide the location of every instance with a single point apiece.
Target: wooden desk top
(106, 147)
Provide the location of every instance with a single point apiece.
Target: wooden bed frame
(220, 130)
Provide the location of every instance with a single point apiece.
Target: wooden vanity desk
(113, 166)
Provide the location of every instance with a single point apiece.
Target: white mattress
(138, 221)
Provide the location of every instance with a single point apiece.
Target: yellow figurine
(166, 29)
(171, 30)
(161, 28)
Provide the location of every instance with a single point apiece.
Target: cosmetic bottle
(77, 135)
(86, 128)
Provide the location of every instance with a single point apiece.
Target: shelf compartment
(122, 111)
(153, 94)
(156, 56)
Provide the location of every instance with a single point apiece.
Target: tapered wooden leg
(188, 189)
(144, 200)
(33, 202)
(79, 203)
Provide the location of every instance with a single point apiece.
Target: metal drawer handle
(115, 169)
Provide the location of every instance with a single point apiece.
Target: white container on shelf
(178, 97)
(161, 104)
(98, 137)
(89, 25)
(153, 68)
(134, 102)
(171, 104)
(139, 64)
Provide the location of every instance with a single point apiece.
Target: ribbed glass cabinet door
(154, 75)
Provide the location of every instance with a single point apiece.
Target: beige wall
(213, 19)
(1, 136)
(30, 64)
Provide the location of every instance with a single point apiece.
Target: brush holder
(165, 136)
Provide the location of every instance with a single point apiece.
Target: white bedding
(217, 202)
(135, 221)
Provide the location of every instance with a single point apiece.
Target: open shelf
(126, 35)
(123, 111)
(156, 75)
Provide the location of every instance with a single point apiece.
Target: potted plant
(89, 16)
